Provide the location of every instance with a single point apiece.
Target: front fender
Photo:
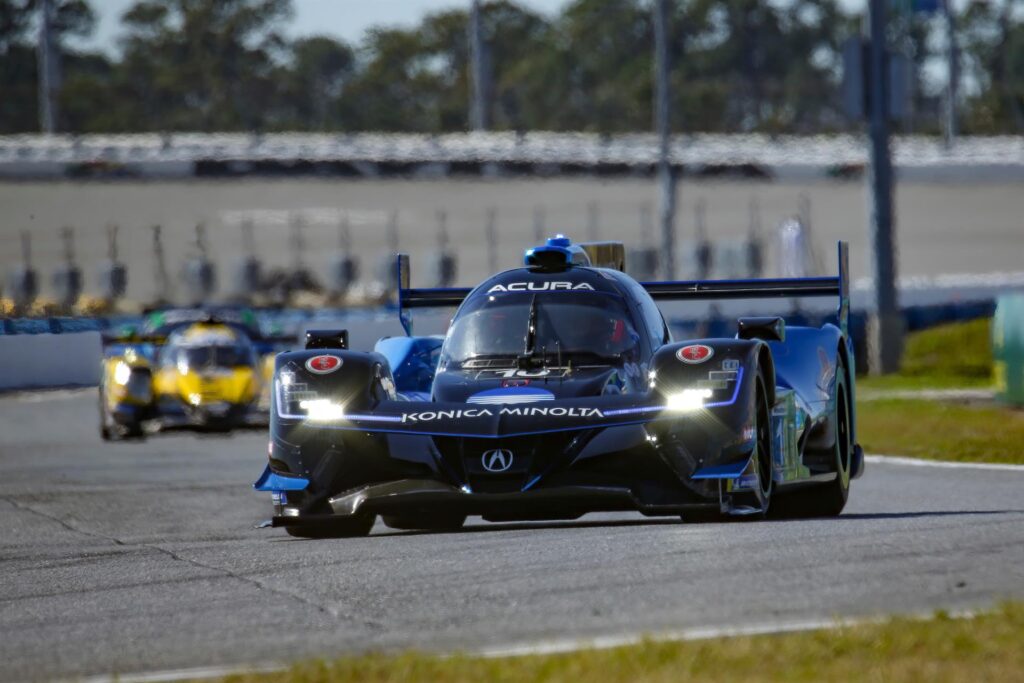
(728, 367)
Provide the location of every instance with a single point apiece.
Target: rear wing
(800, 287)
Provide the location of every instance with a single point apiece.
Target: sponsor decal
(323, 364)
(730, 364)
(463, 413)
(513, 373)
(497, 460)
(549, 286)
(509, 383)
(695, 353)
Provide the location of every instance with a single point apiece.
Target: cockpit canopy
(200, 347)
(548, 326)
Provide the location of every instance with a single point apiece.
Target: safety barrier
(35, 361)
(1008, 348)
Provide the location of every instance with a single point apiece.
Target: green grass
(957, 355)
(899, 382)
(942, 430)
(942, 357)
(984, 648)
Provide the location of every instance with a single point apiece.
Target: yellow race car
(205, 375)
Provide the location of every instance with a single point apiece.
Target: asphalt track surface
(138, 557)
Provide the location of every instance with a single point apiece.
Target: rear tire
(826, 500)
(448, 522)
(343, 527)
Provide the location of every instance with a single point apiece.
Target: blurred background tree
(739, 66)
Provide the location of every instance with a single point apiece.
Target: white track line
(943, 464)
(549, 647)
(198, 674)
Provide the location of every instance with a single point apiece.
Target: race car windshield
(215, 356)
(580, 327)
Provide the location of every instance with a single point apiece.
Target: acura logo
(498, 460)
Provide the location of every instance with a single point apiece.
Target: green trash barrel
(1008, 348)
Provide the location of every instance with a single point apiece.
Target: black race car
(559, 390)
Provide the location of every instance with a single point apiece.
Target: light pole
(886, 325)
(662, 123)
(954, 75)
(48, 60)
(479, 114)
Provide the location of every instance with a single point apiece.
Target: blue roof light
(557, 253)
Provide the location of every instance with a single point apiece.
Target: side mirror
(768, 329)
(327, 339)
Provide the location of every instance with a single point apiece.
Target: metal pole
(48, 65)
(479, 116)
(954, 75)
(666, 177)
(886, 328)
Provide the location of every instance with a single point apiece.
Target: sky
(347, 19)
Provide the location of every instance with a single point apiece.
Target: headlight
(122, 372)
(322, 410)
(688, 400)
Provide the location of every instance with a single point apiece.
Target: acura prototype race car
(559, 390)
(186, 368)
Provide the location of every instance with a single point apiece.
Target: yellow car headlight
(122, 373)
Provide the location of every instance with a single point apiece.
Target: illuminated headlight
(322, 410)
(195, 399)
(688, 400)
(122, 373)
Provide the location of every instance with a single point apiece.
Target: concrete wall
(31, 361)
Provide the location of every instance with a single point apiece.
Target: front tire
(826, 500)
(761, 499)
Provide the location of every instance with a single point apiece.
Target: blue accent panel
(530, 483)
(729, 471)
(413, 361)
(513, 394)
(271, 481)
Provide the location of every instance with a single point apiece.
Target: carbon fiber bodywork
(673, 429)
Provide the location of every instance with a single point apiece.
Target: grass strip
(942, 430)
(985, 647)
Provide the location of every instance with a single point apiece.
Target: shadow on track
(493, 527)
(933, 513)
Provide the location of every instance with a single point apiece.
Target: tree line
(738, 66)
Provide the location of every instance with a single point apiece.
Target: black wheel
(134, 430)
(106, 432)
(762, 453)
(443, 522)
(759, 501)
(826, 500)
(343, 527)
